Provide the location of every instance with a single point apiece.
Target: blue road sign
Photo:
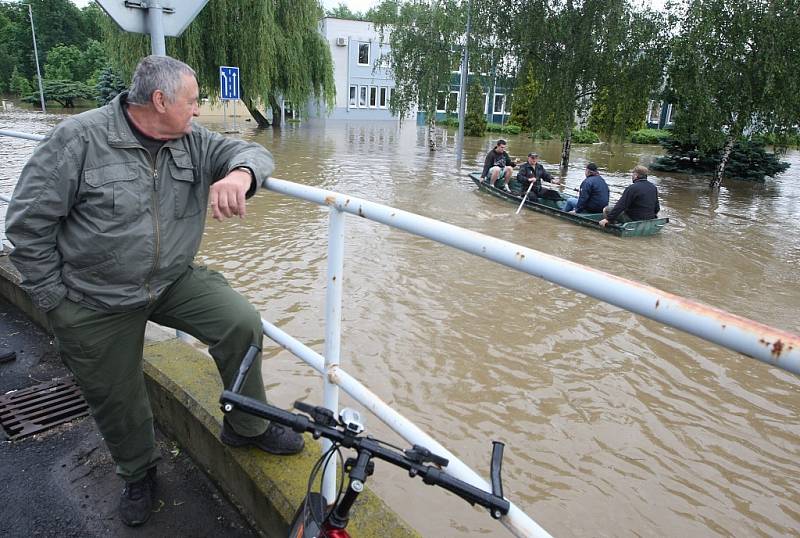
(229, 83)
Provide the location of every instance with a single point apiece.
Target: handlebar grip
(495, 468)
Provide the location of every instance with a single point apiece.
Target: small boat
(554, 207)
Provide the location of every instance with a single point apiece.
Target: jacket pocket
(111, 195)
(185, 188)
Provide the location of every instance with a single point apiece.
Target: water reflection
(615, 425)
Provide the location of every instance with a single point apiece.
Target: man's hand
(603, 223)
(227, 195)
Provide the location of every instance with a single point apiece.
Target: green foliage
(62, 63)
(20, 86)
(748, 160)
(64, 92)
(424, 45)
(276, 45)
(542, 134)
(578, 48)
(649, 136)
(779, 139)
(343, 12)
(57, 22)
(508, 128)
(616, 117)
(584, 136)
(109, 85)
(733, 70)
(475, 120)
(524, 100)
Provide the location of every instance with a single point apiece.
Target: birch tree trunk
(716, 179)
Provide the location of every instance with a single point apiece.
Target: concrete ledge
(184, 389)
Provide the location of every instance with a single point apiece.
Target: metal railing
(756, 340)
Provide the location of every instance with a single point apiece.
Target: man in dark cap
(593, 193)
(532, 172)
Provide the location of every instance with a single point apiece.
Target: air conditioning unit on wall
(341, 41)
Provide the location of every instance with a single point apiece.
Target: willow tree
(423, 38)
(573, 50)
(733, 72)
(275, 44)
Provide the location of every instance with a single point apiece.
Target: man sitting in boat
(532, 172)
(497, 161)
(593, 195)
(639, 201)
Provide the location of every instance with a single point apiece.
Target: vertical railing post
(333, 330)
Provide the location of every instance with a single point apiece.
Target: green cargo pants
(104, 352)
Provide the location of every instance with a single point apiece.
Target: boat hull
(637, 228)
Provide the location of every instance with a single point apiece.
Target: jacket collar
(119, 131)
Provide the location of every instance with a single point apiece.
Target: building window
(384, 100)
(363, 54)
(452, 105)
(353, 92)
(655, 112)
(362, 97)
(499, 103)
(373, 96)
(670, 114)
(441, 102)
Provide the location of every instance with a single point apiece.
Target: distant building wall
(362, 90)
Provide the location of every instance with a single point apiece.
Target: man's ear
(159, 100)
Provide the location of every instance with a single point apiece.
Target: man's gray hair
(157, 73)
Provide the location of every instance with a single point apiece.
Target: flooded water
(614, 424)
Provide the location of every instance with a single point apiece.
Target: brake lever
(320, 415)
(420, 454)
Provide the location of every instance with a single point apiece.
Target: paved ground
(62, 482)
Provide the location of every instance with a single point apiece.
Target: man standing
(497, 161)
(106, 219)
(593, 195)
(533, 172)
(639, 201)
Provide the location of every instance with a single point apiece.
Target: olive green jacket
(95, 219)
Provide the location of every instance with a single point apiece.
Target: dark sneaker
(136, 503)
(276, 440)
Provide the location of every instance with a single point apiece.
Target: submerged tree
(423, 38)
(733, 72)
(276, 45)
(571, 50)
(475, 120)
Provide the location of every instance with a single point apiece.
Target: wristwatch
(245, 169)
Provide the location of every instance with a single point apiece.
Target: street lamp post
(462, 91)
(36, 57)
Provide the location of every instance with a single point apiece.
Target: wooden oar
(522, 203)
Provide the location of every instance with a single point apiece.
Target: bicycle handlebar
(414, 464)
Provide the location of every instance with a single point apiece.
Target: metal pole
(462, 91)
(36, 57)
(333, 329)
(155, 20)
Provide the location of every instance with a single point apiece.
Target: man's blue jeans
(571, 204)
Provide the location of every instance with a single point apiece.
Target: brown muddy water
(614, 424)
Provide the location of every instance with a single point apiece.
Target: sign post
(229, 90)
(158, 18)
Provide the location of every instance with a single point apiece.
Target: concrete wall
(184, 389)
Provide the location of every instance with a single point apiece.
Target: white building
(362, 89)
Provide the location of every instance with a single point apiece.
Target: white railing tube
(333, 331)
(767, 344)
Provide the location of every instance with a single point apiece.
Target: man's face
(177, 119)
(532, 160)
(501, 148)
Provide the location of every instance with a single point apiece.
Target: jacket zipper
(156, 229)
